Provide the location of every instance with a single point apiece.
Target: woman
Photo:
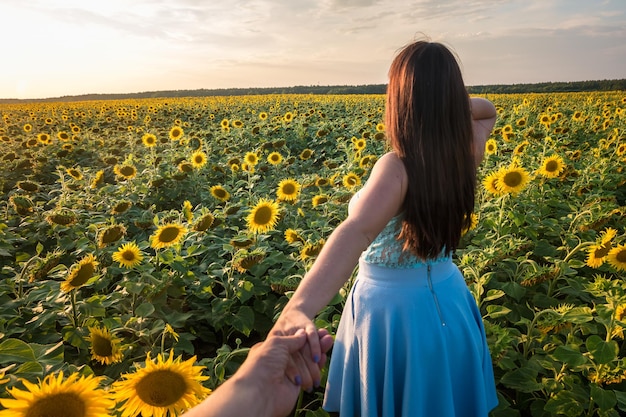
(411, 340)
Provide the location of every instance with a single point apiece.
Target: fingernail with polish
(298, 380)
(316, 384)
(316, 359)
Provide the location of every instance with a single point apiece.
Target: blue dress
(411, 340)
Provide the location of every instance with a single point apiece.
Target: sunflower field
(145, 245)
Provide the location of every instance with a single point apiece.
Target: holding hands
(269, 381)
(306, 363)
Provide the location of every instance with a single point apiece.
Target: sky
(53, 48)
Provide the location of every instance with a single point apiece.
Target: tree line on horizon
(545, 87)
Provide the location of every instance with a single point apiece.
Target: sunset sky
(53, 48)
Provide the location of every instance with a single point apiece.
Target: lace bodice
(386, 249)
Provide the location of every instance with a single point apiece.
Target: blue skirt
(410, 343)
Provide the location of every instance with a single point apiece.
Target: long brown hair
(429, 126)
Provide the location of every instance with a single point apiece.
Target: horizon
(91, 48)
(138, 93)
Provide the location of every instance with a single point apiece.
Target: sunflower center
(621, 256)
(263, 215)
(219, 193)
(169, 234)
(602, 251)
(84, 273)
(128, 255)
(127, 171)
(552, 166)
(512, 179)
(161, 388)
(101, 346)
(58, 405)
(289, 189)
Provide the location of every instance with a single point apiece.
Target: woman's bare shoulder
(392, 165)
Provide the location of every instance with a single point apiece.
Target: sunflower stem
(74, 310)
(299, 403)
(20, 285)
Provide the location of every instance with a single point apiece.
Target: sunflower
(577, 116)
(176, 133)
(224, 123)
(198, 159)
(274, 158)
(512, 180)
(288, 117)
(28, 186)
(63, 136)
(237, 124)
(306, 154)
(28, 127)
(167, 235)
(473, 223)
(81, 272)
(126, 171)
(22, 204)
(244, 259)
(149, 140)
(75, 173)
(44, 138)
(351, 180)
(617, 257)
(288, 190)
(607, 235)
(161, 388)
(311, 250)
(220, 193)
(242, 242)
(61, 217)
(292, 236)
(597, 254)
(319, 199)
(185, 167)
(360, 144)
(520, 148)
(121, 207)
(621, 149)
(43, 266)
(322, 182)
(204, 222)
(262, 115)
(263, 216)
(544, 119)
(552, 166)
(105, 348)
(491, 147)
(54, 397)
(188, 210)
(111, 234)
(128, 255)
(251, 159)
(521, 122)
(620, 312)
(380, 127)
